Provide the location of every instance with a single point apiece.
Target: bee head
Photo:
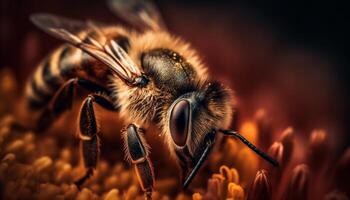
(194, 120)
(169, 70)
(196, 114)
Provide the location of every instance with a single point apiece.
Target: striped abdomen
(65, 63)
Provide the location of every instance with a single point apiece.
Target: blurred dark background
(287, 57)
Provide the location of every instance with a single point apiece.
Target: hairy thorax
(172, 68)
(141, 105)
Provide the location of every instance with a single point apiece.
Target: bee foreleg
(183, 166)
(88, 134)
(137, 154)
(208, 142)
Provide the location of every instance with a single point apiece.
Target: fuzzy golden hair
(144, 105)
(151, 99)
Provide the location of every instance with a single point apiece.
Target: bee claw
(82, 180)
(77, 185)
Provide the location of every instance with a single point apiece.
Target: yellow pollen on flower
(235, 192)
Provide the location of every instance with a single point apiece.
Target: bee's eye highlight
(179, 122)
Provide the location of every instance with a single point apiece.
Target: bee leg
(183, 166)
(208, 142)
(88, 134)
(137, 154)
(63, 100)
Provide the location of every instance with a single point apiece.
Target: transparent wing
(142, 13)
(107, 51)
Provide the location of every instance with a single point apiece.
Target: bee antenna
(251, 146)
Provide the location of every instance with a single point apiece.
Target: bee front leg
(137, 154)
(88, 134)
(207, 147)
(183, 166)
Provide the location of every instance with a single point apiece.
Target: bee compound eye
(179, 122)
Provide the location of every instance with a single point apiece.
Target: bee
(148, 76)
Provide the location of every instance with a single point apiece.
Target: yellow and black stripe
(65, 63)
(45, 81)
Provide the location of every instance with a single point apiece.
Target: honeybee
(147, 76)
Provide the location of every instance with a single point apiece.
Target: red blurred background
(286, 57)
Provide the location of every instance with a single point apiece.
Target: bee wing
(142, 13)
(107, 51)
